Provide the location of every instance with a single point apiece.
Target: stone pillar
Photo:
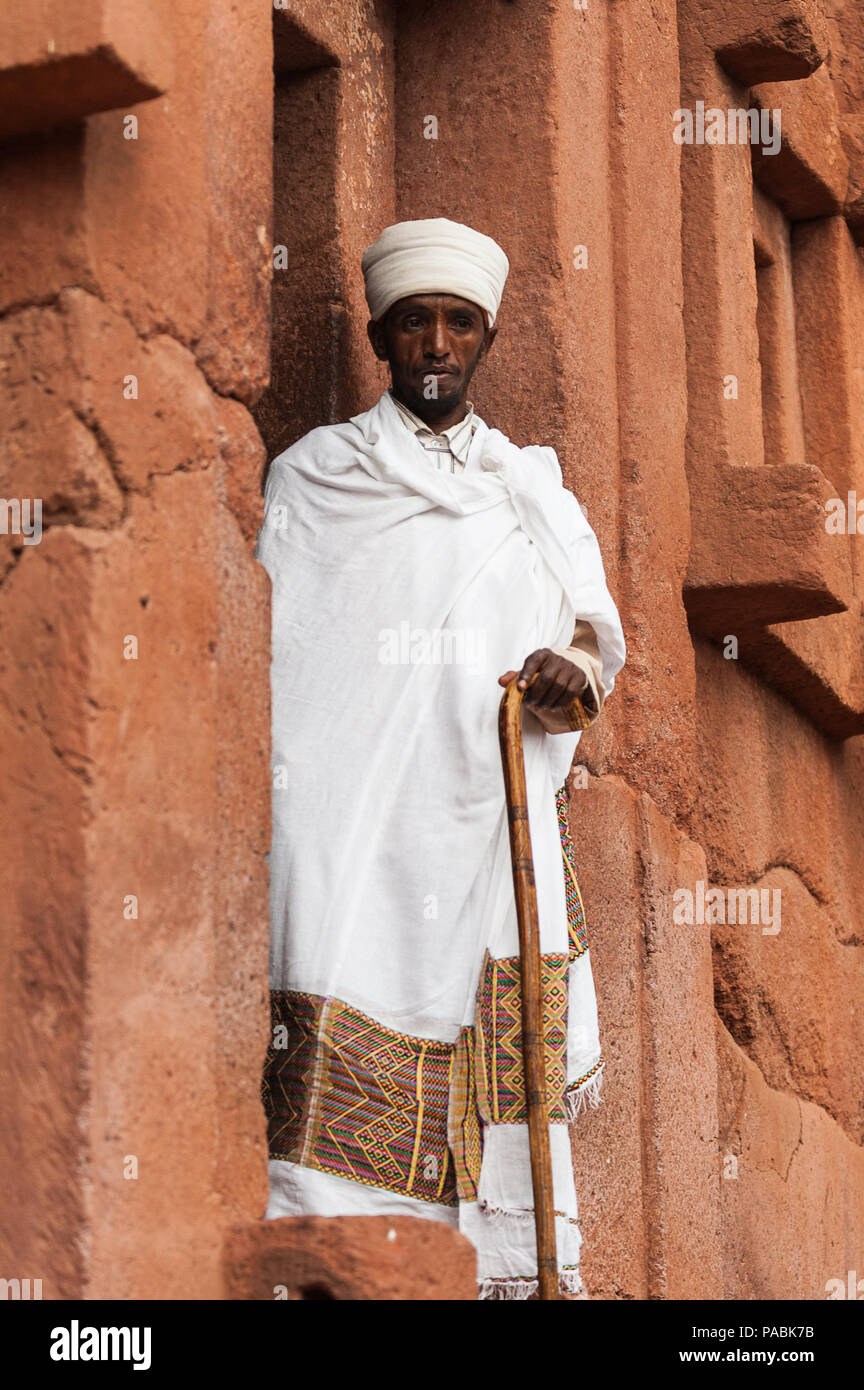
(135, 701)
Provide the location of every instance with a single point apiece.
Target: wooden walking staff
(533, 1043)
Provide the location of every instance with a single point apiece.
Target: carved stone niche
(811, 323)
(60, 63)
(773, 405)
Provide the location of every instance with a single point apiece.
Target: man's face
(433, 343)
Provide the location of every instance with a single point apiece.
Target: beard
(430, 405)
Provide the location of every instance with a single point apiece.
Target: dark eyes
(412, 322)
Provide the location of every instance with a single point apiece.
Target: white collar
(458, 436)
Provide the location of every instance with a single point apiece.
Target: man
(419, 562)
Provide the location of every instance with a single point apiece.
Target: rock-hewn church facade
(187, 190)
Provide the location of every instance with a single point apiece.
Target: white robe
(390, 869)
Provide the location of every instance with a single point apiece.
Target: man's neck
(437, 423)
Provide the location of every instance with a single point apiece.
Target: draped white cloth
(399, 595)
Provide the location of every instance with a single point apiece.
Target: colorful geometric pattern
(347, 1096)
(466, 1131)
(575, 908)
(498, 1024)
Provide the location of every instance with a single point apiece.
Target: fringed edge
(569, 1281)
(500, 1216)
(586, 1096)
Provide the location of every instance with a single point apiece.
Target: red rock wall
(698, 366)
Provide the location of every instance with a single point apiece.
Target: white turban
(434, 256)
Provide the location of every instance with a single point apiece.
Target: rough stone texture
(793, 1002)
(809, 175)
(135, 800)
(60, 63)
(366, 1258)
(645, 1162)
(793, 1199)
(153, 357)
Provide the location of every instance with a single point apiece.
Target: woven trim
(347, 1096)
(498, 1025)
(575, 907)
(465, 1132)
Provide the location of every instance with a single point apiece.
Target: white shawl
(390, 870)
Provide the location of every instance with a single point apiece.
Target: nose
(436, 341)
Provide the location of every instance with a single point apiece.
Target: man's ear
(488, 339)
(375, 334)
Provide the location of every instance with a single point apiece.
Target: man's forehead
(434, 300)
